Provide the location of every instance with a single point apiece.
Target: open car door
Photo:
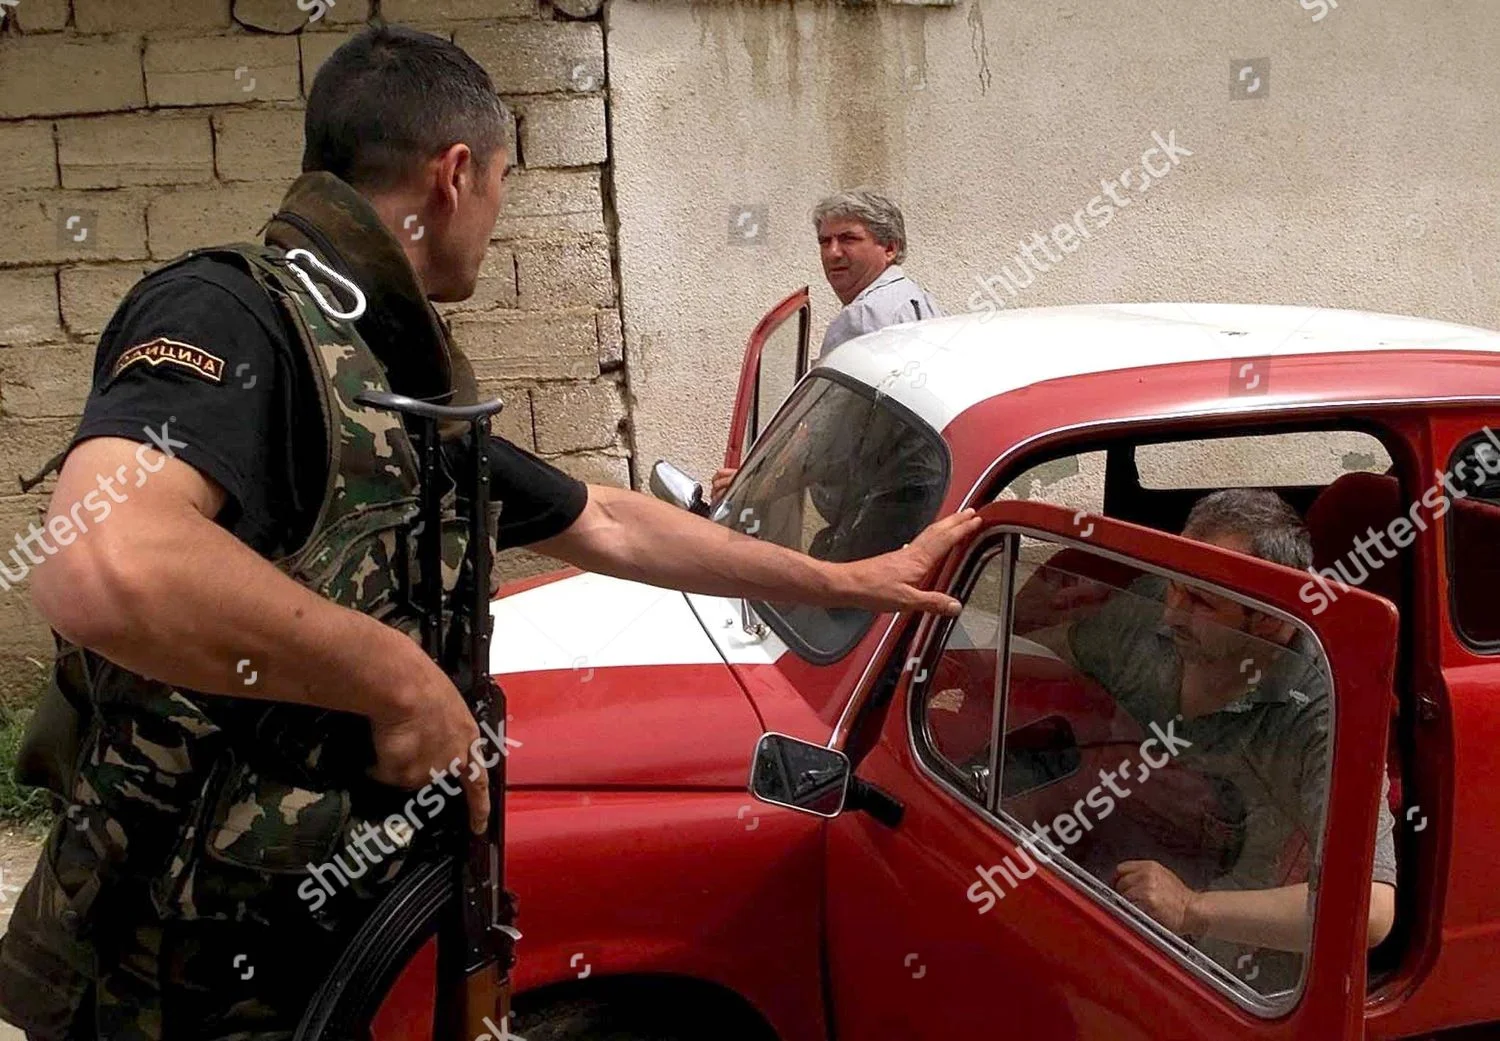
(993, 902)
(775, 359)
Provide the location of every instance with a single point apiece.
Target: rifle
(477, 942)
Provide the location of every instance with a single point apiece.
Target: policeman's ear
(454, 175)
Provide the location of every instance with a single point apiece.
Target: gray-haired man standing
(862, 237)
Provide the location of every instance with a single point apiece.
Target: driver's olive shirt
(1271, 744)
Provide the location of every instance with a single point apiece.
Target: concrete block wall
(131, 130)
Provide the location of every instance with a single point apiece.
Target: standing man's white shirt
(889, 300)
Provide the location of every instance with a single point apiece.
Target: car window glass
(1474, 540)
(845, 475)
(1147, 720)
(1306, 457)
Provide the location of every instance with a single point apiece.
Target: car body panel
(709, 885)
(792, 696)
(600, 676)
(1457, 940)
(990, 435)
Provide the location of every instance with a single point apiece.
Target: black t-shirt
(200, 354)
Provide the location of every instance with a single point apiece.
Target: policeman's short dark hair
(391, 98)
(1273, 529)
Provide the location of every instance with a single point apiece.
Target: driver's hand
(892, 581)
(435, 732)
(721, 482)
(1160, 893)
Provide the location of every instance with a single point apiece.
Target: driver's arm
(1102, 635)
(1279, 919)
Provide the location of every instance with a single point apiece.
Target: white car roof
(942, 366)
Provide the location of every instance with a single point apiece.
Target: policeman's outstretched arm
(630, 535)
(161, 589)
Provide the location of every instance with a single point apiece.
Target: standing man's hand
(429, 727)
(721, 482)
(890, 581)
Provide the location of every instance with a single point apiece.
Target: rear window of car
(1297, 459)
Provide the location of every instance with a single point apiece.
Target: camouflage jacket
(219, 807)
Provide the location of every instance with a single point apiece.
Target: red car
(874, 884)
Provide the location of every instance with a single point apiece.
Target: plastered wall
(1353, 164)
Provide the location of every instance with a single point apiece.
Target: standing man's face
(852, 259)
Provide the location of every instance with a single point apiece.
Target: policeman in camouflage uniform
(238, 695)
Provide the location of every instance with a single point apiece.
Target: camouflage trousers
(133, 977)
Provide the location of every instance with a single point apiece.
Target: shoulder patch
(162, 351)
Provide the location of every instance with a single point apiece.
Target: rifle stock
(488, 910)
(486, 1005)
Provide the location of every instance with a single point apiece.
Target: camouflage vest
(221, 806)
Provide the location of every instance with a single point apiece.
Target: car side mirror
(800, 775)
(670, 484)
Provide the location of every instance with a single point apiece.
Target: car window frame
(934, 765)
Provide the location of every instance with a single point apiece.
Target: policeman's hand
(1161, 894)
(890, 581)
(721, 482)
(429, 727)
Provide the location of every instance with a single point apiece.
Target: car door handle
(877, 802)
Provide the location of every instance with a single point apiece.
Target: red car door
(775, 359)
(937, 930)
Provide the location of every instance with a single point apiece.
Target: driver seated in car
(1247, 693)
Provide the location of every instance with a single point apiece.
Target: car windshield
(844, 474)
